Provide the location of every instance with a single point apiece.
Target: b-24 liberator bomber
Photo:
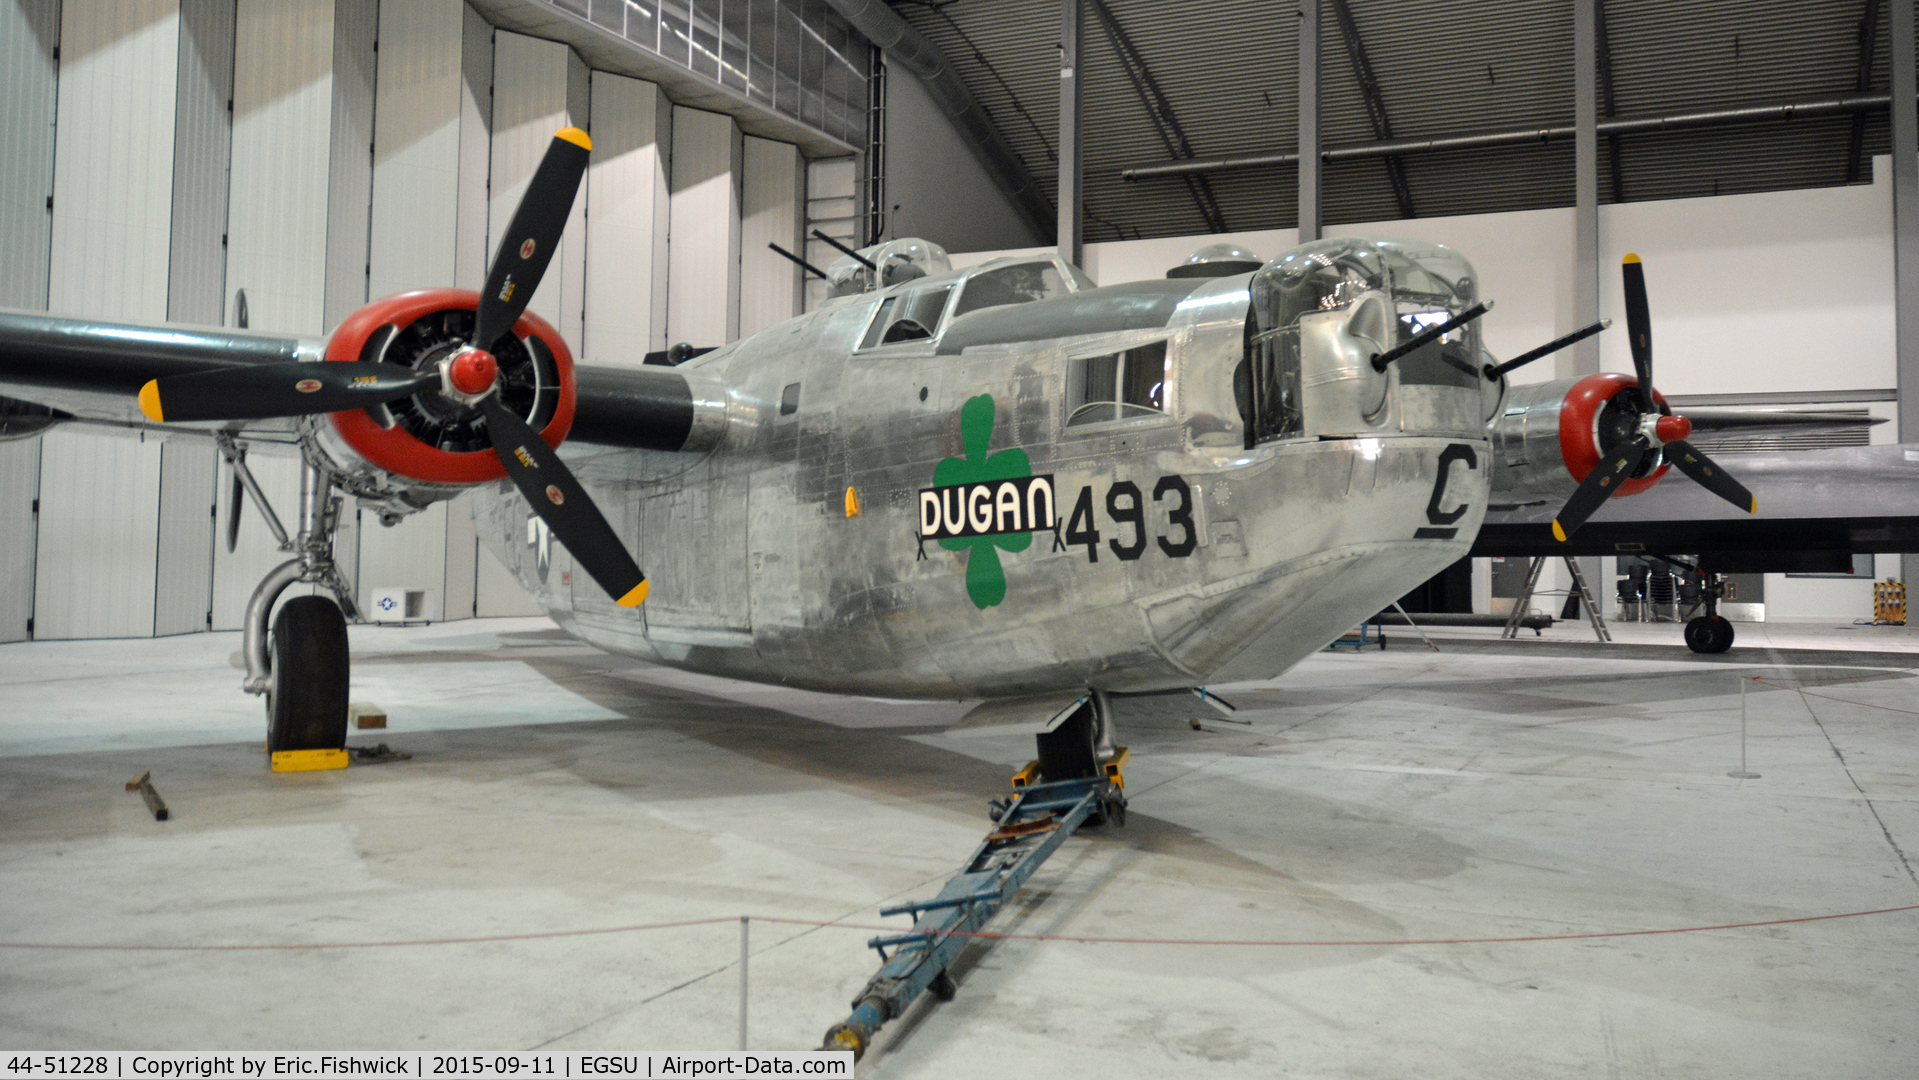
(1003, 483)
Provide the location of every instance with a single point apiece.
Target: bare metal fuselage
(1247, 560)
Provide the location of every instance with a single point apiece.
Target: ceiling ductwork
(908, 48)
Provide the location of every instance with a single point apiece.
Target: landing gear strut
(301, 665)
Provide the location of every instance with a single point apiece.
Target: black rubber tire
(1709, 634)
(307, 699)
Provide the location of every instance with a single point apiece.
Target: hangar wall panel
(831, 184)
(99, 525)
(202, 137)
(703, 298)
(417, 148)
(282, 131)
(410, 555)
(476, 148)
(235, 574)
(183, 595)
(935, 185)
(497, 592)
(29, 75)
(626, 232)
(460, 563)
(350, 158)
(1746, 289)
(19, 487)
(113, 159)
(772, 209)
(532, 99)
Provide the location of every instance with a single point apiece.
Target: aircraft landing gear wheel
(307, 700)
(1709, 634)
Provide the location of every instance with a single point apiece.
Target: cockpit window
(909, 316)
(1020, 283)
(1118, 385)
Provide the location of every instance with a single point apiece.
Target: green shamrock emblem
(985, 581)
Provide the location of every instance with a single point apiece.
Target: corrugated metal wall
(831, 207)
(183, 597)
(356, 26)
(113, 176)
(99, 528)
(772, 195)
(202, 139)
(476, 149)
(628, 201)
(282, 130)
(703, 304)
(416, 159)
(19, 489)
(29, 75)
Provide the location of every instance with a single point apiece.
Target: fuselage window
(907, 317)
(1267, 385)
(1117, 385)
(1021, 283)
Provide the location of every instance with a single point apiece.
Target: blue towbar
(1031, 827)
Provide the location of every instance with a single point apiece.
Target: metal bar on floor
(1030, 829)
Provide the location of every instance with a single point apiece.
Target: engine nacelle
(411, 453)
(1548, 436)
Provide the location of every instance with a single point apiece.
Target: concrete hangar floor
(1533, 789)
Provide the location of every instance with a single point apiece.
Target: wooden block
(365, 715)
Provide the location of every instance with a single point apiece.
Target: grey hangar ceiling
(1222, 75)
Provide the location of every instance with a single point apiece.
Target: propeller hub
(1672, 428)
(472, 372)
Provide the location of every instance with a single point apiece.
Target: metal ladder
(1579, 589)
(1031, 827)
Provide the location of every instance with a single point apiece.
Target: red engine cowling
(1549, 436)
(434, 447)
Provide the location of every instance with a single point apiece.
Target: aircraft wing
(1862, 499)
(92, 370)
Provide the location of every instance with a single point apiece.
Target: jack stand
(1579, 589)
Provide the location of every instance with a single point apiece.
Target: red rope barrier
(1087, 940)
(1829, 697)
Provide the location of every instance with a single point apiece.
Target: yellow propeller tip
(150, 401)
(1559, 534)
(634, 595)
(1754, 508)
(575, 136)
(1630, 258)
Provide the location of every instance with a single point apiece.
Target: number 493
(1126, 511)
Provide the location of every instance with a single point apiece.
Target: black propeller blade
(532, 236)
(1639, 328)
(555, 494)
(297, 388)
(1710, 476)
(1599, 485)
